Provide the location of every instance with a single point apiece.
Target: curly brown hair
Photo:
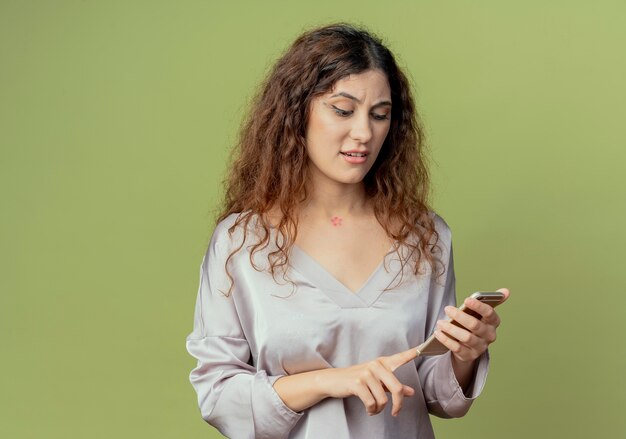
(269, 161)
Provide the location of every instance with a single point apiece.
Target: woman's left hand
(471, 341)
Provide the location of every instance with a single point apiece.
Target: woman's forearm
(369, 381)
(303, 390)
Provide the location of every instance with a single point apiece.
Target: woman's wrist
(463, 371)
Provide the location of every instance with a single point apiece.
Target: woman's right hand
(368, 381)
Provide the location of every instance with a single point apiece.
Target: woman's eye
(346, 113)
(342, 113)
(380, 116)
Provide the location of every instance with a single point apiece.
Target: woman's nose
(361, 129)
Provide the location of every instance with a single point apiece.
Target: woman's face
(347, 127)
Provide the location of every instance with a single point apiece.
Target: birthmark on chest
(336, 221)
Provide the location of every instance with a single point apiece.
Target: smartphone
(432, 346)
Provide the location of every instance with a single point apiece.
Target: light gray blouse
(264, 330)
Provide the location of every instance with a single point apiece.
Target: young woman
(327, 267)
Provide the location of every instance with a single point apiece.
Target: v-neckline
(367, 293)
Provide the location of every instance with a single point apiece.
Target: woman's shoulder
(441, 227)
(230, 229)
(224, 231)
(226, 223)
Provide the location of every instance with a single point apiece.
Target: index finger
(472, 308)
(484, 309)
(396, 360)
(506, 293)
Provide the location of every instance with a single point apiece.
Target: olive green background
(115, 123)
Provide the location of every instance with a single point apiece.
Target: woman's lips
(354, 157)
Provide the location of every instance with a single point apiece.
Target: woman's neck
(326, 201)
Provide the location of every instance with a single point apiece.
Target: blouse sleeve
(443, 394)
(233, 396)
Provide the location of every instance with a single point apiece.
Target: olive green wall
(115, 120)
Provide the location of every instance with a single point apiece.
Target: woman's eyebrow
(349, 96)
